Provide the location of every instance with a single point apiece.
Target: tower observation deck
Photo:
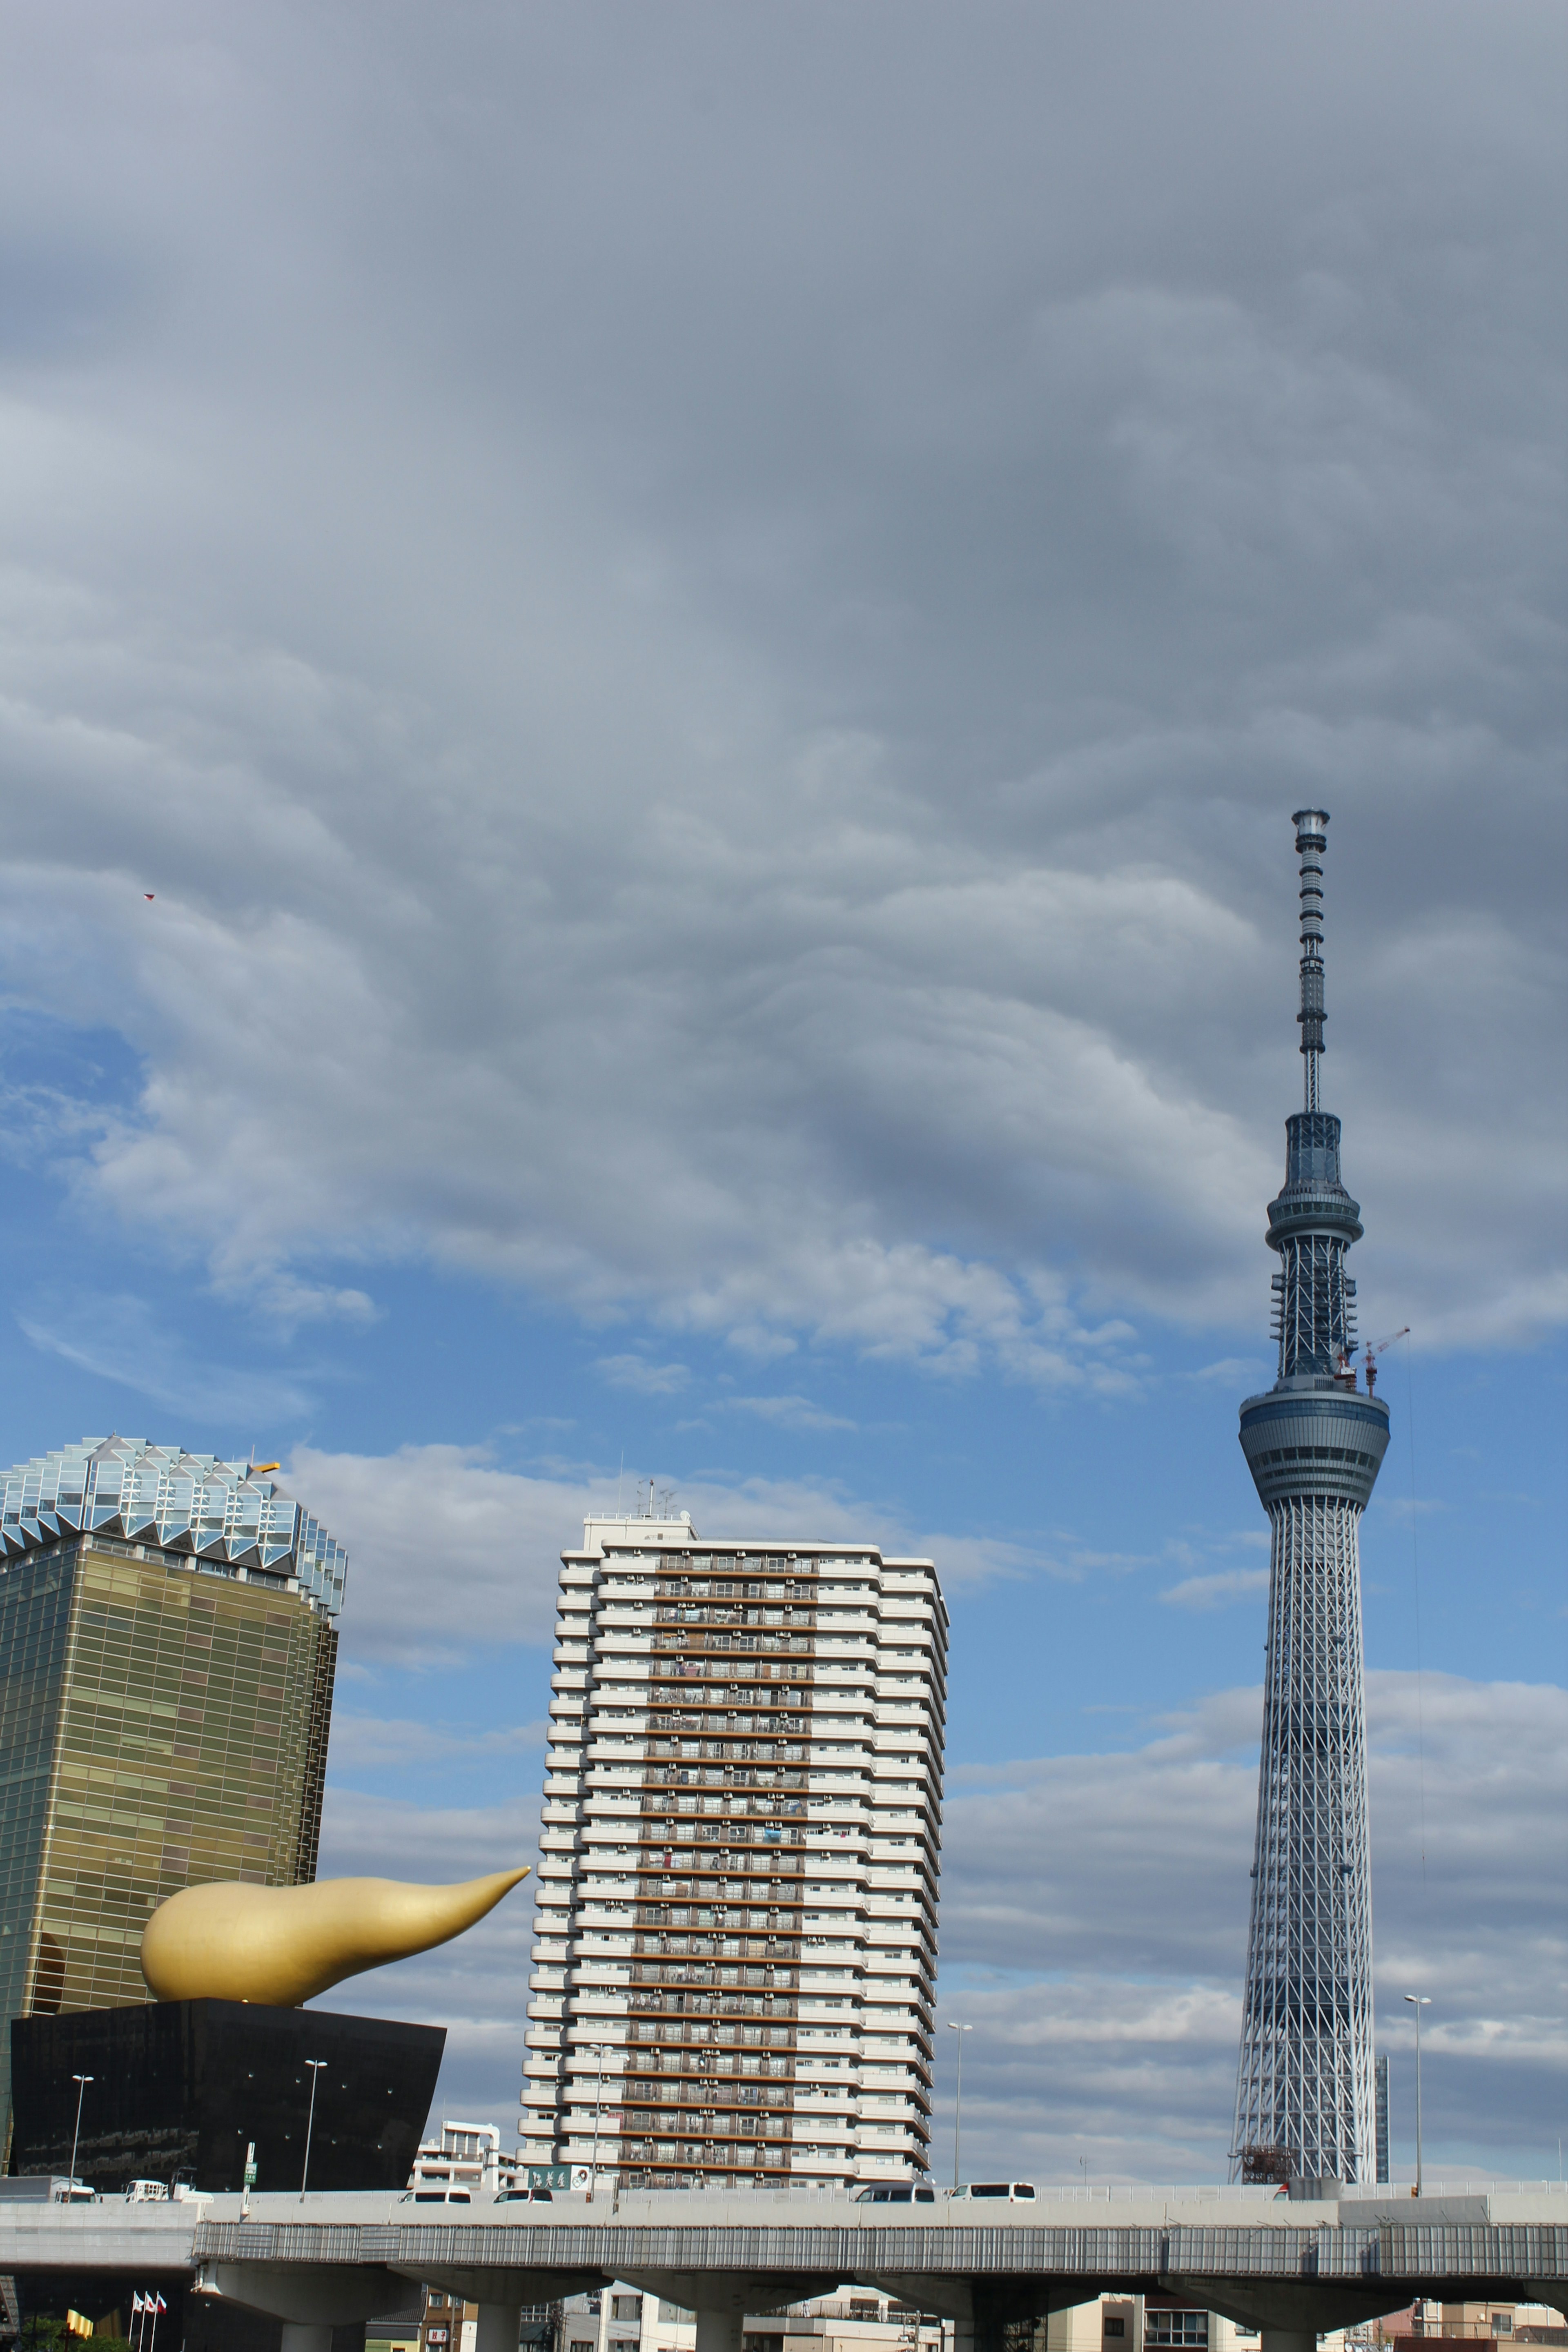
(1304, 2100)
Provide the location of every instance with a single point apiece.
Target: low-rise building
(861, 2320)
(465, 2156)
(1427, 2324)
(1156, 2323)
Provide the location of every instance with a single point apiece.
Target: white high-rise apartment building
(737, 1903)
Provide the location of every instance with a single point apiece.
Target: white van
(1006, 2192)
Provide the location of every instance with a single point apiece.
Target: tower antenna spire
(1311, 840)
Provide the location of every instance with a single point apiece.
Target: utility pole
(315, 2064)
(598, 2112)
(81, 2082)
(958, 2103)
(1418, 2002)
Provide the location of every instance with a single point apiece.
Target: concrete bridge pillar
(498, 2327)
(1271, 2339)
(309, 2335)
(719, 2330)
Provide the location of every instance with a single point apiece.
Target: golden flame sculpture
(279, 1946)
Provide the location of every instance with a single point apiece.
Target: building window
(1115, 2325)
(1175, 2328)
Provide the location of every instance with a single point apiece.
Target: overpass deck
(1291, 2269)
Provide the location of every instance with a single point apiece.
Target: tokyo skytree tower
(1313, 1444)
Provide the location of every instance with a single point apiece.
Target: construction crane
(1373, 1353)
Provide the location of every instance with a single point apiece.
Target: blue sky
(651, 685)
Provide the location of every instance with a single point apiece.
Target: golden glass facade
(162, 1723)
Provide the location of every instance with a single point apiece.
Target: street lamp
(1418, 2002)
(598, 2112)
(81, 2082)
(315, 2065)
(961, 2031)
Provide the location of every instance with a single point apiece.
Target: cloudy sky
(653, 666)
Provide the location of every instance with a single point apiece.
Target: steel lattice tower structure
(1304, 2099)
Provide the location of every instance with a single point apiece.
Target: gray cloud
(1094, 1925)
(705, 640)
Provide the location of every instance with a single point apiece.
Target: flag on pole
(137, 2305)
(159, 2304)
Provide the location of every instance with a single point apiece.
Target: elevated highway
(1291, 2270)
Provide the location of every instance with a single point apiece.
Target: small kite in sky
(148, 896)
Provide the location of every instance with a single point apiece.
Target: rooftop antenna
(1311, 840)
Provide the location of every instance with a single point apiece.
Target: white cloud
(445, 1553)
(369, 1743)
(449, 1554)
(788, 838)
(291, 1300)
(475, 1987)
(763, 1347)
(787, 1411)
(117, 1338)
(1216, 1592)
(644, 1379)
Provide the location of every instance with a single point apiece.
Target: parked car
(904, 2195)
(1010, 2192)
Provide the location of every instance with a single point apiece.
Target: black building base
(179, 2088)
(191, 2323)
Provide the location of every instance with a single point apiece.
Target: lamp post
(1418, 2002)
(315, 2065)
(953, 2027)
(81, 2082)
(598, 2111)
